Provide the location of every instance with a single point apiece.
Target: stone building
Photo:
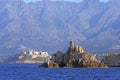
(72, 44)
(76, 47)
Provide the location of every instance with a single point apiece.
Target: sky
(63, 0)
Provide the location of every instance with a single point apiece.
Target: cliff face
(112, 60)
(73, 58)
(27, 25)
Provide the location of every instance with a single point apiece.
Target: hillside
(112, 59)
(47, 25)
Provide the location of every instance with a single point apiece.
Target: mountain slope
(49, 26)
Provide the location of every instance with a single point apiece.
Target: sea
(33, 72)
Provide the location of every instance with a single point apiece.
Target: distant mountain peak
(50, 26)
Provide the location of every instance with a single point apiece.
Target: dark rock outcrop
(58, 57)
(73, 58)
(50, 65)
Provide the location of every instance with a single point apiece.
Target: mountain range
(49, 25)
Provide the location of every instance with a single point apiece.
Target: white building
(33, 54)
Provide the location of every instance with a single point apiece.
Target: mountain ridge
(95, 25)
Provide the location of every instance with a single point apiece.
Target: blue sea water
(32, 72)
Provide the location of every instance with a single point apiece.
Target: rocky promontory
(112, 60)
(74, 57)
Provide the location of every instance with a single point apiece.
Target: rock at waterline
(74, 57)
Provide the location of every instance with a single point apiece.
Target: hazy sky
(62, 0)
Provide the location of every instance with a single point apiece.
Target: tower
(72, 44)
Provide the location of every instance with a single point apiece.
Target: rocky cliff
(112, 59)
(74, 58)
